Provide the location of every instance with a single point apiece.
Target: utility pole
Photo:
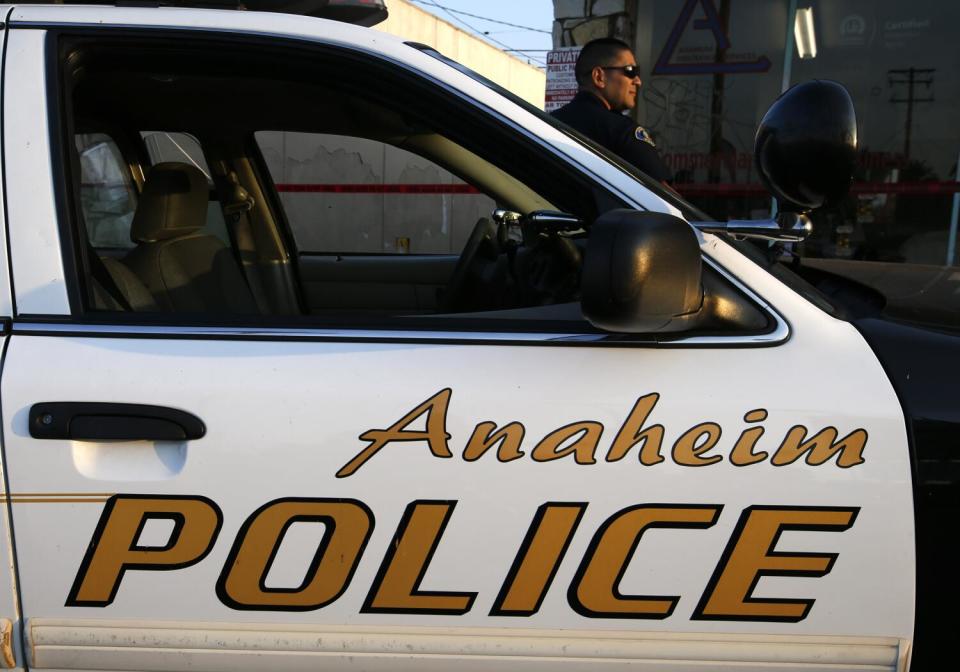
(716, 102)
(912, 77)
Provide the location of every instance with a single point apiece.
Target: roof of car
(360, 12)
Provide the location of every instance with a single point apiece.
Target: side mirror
(806, 146)
(806, 151)
(641, 273)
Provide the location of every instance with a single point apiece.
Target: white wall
(368, 222)
(411, 22)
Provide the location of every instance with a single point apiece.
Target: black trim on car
(923, 367)
(3, 172)
(70, 219)
(65, 327)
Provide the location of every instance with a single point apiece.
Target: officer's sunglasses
(630, 71)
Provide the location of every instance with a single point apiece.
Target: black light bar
(359, 12)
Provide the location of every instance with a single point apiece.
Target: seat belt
(236, 211)
(101, 275)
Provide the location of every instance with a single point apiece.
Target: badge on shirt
(642, 134)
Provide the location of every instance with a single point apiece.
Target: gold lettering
(435, 435)
(585, 435)
(751, 554)
(113, 549)
(595, 590)
(396, 589)
(242, 582)
(821, 447)
(632, 433)
(484, 437)
(742, 453)
(694, 443)
(581, 440)
(538, 559)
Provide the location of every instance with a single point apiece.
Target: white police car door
(411, 500)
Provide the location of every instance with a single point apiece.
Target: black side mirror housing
(806, 146)
(642, 273)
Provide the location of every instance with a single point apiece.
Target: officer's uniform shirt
(587, 114)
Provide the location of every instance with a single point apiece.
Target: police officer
(608, 79)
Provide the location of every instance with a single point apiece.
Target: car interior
(205, 234)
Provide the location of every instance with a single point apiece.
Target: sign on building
(561, 81)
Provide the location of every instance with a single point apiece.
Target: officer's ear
(598, 77)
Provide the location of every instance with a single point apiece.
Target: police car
(605, 433)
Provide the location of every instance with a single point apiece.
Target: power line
(484, 18)
(450, 13)
(478, 32)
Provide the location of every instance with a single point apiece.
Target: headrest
(173, 203)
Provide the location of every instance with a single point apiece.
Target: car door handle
(98, 421)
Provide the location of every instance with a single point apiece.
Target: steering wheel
(483, 231)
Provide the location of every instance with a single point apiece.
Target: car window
(398, 205)
(108, 196)
(328, 198)
(353, 195)
(690, 212)
(885, 246)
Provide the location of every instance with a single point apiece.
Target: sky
(528, 14)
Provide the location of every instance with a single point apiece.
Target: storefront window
(900, 62)
(714, 66)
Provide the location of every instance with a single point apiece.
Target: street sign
(561, 80)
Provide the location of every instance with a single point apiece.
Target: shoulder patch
(641, 134)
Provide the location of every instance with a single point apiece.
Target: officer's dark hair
(595, 53)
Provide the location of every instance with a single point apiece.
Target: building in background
(712, 67)
(402, 202)
(417, 25)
